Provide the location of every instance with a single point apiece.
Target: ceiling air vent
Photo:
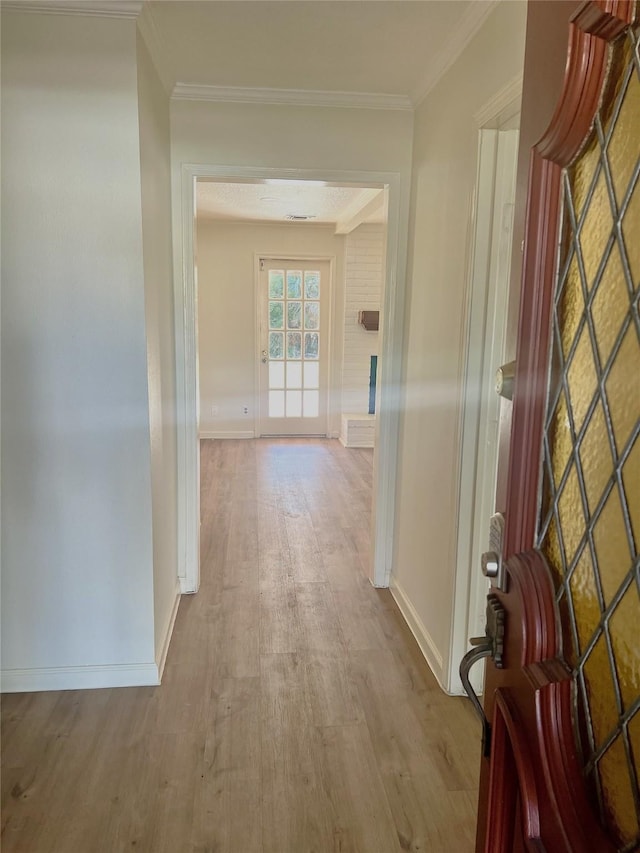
(299, 217)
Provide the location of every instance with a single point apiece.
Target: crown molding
(441, 61)
(91, 8)
(156, 45)
(508, 95)
(290, 97)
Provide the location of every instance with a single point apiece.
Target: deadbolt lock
(490, 564)
(505, 380)
(491, 561)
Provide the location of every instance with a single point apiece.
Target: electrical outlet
(245, 410)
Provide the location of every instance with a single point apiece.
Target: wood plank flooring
(296, 714)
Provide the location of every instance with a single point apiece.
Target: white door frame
(486, 324)
(392, 317)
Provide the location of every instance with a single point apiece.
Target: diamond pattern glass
(609, 306)
(586, 599)
(595, 457)
(631, 479)
(618, 794)
(570, 306)
(589, 520)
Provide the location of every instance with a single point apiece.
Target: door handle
(491, 646)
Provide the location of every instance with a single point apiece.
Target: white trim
(162, 658)
(111, 9)
(229, 433)
(425, 641)
(453, 47)
(188, 417)
(507, 98)
(389, 392)
(290, 97)
(391, 357)
(257, 334)
(79, 677)
(485, 311)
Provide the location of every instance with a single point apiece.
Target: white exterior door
(294, 298)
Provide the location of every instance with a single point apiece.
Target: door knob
(264, 356)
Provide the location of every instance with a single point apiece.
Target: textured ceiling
(275, 201)
(320, 45)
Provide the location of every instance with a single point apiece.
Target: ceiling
(386, 47)
(286, 200)
(367, 52)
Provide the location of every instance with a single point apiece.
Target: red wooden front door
(564, 704)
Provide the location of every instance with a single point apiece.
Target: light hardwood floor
(296, 714)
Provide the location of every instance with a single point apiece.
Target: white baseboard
(78, 677)
(161, 659)
(186, 587)
(357, 445)
(424, 639)
(221, 433)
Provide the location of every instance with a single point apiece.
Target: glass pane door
(294, 343)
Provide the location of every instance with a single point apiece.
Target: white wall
(364, 276)
(226, 314)
(445, 151)
(155, 163)
(292, 137)
(77, 575)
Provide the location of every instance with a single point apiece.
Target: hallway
(296, 712)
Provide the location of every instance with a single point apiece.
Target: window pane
(294, 345)
(276, 344)
(276, 315)
(294, 404)
(276, 284)
(311, 374)
(276, 404)
(276, 374)
(294, 315)
(311, 315)
(311, 403)
(294, 374)
(312, 285)
(311, 344)
(294, 284)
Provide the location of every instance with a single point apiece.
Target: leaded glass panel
(589, 523)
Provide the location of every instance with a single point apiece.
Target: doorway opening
(377, 192)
